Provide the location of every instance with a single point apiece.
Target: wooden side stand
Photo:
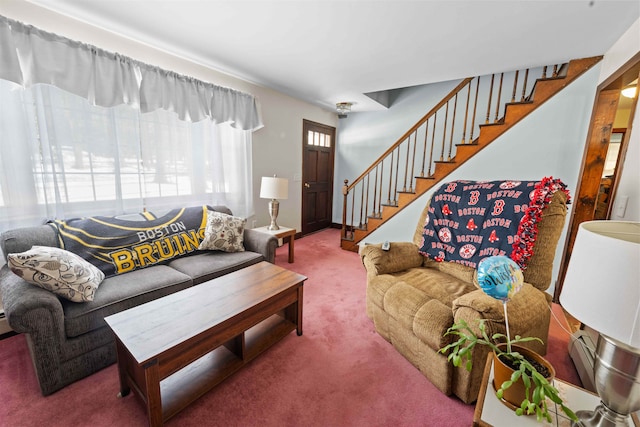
(492, 412)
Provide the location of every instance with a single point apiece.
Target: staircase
(471, 116)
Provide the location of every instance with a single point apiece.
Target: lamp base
(274, 207)
(617, 374)
(601, 417)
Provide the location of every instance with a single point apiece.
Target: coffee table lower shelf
(184, 386)
(191, 382)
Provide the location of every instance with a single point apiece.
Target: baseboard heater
(582, 349)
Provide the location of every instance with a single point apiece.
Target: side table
(283, 233)
(491, 412)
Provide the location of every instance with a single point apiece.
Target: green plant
(537, 387)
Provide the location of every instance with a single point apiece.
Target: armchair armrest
(261, 243)
(528, 310)
(400, 256)
(28, 308)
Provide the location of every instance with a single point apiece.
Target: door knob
(306, 184)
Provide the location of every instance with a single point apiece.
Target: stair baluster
(424, 150)
(524, 86)
(475, 106)
(499, 98)
(444, 131)
(453, 126)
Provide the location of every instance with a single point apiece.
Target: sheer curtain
(88, 132)
(62, 157)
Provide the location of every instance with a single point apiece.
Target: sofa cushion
(209, 265)
(119, 293)
(59, 271)
(223, 233)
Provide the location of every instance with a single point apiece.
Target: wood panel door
(317, 175)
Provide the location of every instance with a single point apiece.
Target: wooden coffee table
(174, 349)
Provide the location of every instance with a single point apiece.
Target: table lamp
(602, 290)
(274, 188)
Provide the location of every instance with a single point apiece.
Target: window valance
(29, 56)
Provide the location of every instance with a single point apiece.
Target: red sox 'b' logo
(474, 197)
(498, 206)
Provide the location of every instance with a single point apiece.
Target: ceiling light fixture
(343, 108)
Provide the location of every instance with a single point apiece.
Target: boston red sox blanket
(117, 246)
(471, 220)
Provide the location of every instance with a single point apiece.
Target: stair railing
(455, 120)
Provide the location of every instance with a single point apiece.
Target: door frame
(600, 129)
(329, 130)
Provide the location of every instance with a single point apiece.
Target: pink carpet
(340, 372)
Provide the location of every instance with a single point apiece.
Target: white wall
(277, 148)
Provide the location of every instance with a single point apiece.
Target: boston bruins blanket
(117, 246)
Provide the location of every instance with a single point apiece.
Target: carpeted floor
(339, 373)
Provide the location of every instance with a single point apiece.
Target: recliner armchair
(413, 300)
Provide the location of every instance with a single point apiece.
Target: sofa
(69, 340)
(413, 299)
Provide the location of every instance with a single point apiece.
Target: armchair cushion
(459, 271)
(528, 313)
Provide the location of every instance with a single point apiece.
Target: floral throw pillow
(223, 233)
(57, 270)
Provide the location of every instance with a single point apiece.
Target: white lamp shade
(274, 188)
(602, 285)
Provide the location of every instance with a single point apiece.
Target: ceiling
(326, 52)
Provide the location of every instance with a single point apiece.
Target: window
(318, 139)
(62, 157)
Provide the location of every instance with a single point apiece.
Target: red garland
(528, 227)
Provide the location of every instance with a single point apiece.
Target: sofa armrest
(400, 256)
(261, 243)
(28, 308)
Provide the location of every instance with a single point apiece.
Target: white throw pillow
(223, 233)
(57, 270)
